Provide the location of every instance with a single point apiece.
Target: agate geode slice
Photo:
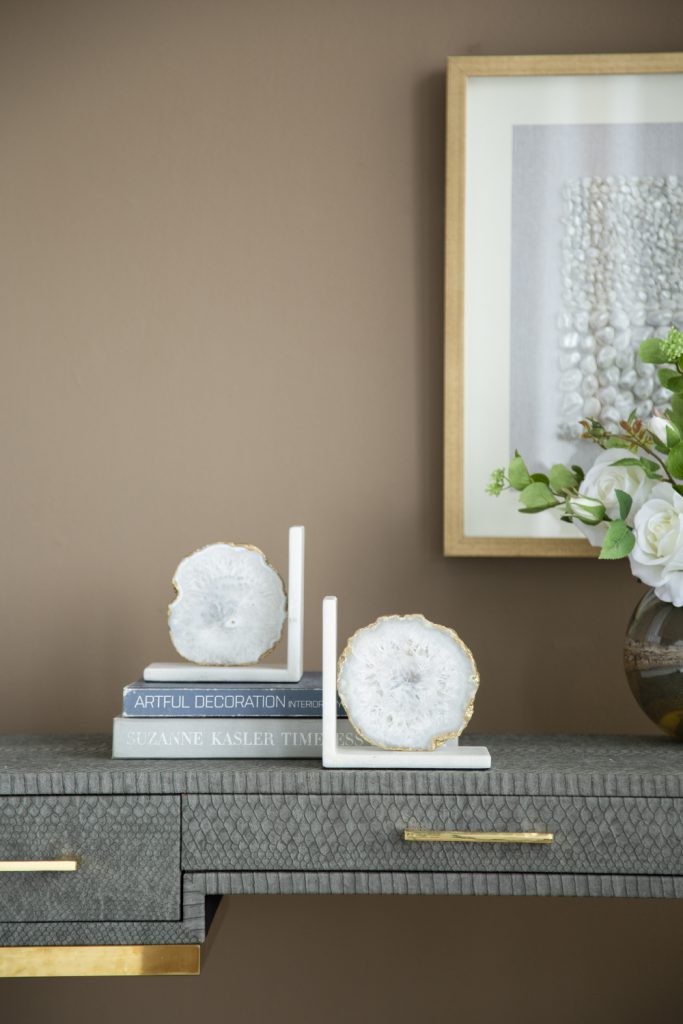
(406, 683)
(230, 607)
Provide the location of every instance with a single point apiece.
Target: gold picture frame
(464, 73)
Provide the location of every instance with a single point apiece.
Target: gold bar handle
(38, 865)
(418, 835)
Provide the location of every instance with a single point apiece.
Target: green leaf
(518, 474)
(671, 379)
(674, 462)
(630, 461)
(676, 412)
(616, 442)
(619, 540)
(625, 502)
(540, 478)
(562, 479)
(537, 497)
(651, 351)
(651, 468)
(496, 484)
(579, 474)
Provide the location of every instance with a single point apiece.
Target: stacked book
(197, 719)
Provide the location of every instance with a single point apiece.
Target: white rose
(657, 557)
(603, 479)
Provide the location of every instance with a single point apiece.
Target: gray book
(224, 737)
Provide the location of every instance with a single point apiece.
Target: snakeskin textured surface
(614, 803)
(525, 765)
(415, 883)
(128, 853)
(192, 927)
(593, 835)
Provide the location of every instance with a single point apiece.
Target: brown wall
(222, 232)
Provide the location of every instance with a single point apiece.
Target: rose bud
(664, 430)
(587, 510)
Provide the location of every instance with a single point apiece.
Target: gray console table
(133, 855)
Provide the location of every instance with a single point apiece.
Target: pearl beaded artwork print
(622, 279)
(597, 231)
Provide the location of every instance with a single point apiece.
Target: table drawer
(127, 849)
(592, 835)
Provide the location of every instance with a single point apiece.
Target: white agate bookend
(406, 683)
(419, 681)
(229, 608)
(230, 611)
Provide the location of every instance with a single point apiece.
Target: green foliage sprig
(655, 447)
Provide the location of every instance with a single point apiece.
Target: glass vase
(653, 659)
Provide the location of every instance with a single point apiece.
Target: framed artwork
(564, 250)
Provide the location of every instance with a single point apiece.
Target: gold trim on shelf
(38, 865)
(418, 835)
(97, 961)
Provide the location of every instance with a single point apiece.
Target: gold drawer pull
(38, 865)
(418, 835)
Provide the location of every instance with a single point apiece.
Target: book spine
(233, 702)
(219, 737)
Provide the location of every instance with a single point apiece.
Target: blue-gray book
(226, 700)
